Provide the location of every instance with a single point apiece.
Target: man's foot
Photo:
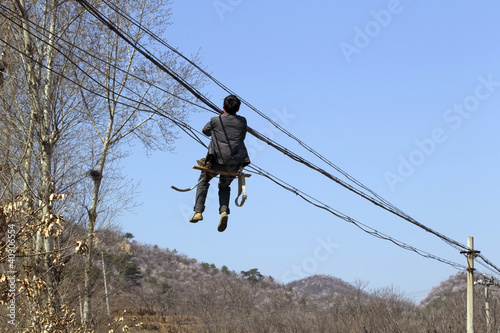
(223, 222)
(196, 217)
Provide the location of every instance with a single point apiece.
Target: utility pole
(486, 282)
(105, 282)
(471, 254)
(81, 307)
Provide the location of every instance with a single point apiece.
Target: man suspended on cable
(226, 153)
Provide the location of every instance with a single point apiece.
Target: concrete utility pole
(105, 282)
(471, 254)
(486, 282)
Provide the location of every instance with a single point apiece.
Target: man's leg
(224, 196)
(225, 189)
(201, 196)
(224, 193)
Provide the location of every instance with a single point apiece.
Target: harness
(242, 189)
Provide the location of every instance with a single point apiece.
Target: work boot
(196, 217)
(223, 222)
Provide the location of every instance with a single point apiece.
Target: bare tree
(79, 96)
(41, 110)
(121, 102)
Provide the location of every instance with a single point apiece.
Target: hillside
(157, 290)
(457, 285)
(318, 286)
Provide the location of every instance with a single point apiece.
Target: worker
(227, 153)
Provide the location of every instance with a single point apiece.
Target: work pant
(224, 189)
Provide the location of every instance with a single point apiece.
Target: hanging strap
(242, 188)
(186, 189)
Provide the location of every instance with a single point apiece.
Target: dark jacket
(227, 133)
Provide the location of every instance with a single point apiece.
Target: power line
(114, 66)
(260, 171)
(373, 232)
(137, 46)
(182, 125)
(382, 203)
(377, 200)
(155, 110)
(262, 114)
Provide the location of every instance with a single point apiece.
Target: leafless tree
(39, 113)
(80, 94)
(122, 94)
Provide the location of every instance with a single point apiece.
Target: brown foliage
(27, 304)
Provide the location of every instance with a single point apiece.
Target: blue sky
(403, 95)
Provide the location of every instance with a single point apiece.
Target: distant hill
(161, 270)
(155, 289)
(455, 284)
(318, 286)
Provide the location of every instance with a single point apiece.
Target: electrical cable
(123, 35)
(373, 232)
(276, 180)
(221, 85)
(286, 152)
(115, 67)
(377, 200)
(182, 125)
(382, 203)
